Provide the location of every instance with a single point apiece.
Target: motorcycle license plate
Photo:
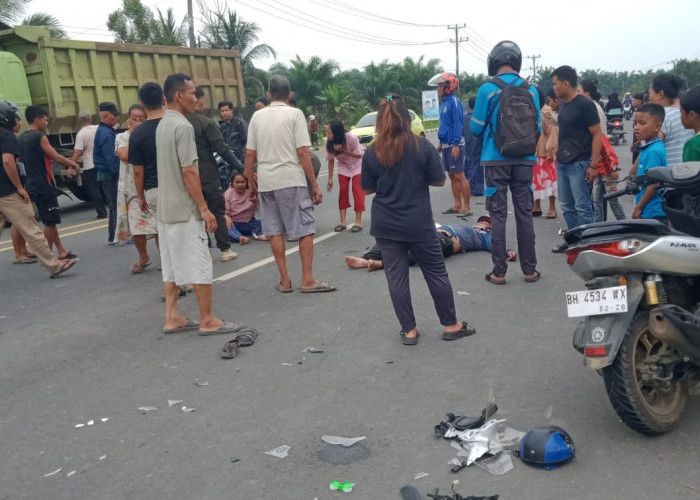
(592, 302)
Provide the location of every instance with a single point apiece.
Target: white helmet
(312, 117)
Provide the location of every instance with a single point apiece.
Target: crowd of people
(161, 180)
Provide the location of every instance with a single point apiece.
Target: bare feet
(512, 256)
(356, 263)
(263, 237)
(244, 240)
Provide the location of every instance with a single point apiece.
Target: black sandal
(247, 337)
(409, 340)
(465, 331)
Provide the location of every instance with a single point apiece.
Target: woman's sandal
(356, 229)
(247, 337)
(465, 331)
(137, 268)
(230, 349)
(339, 228)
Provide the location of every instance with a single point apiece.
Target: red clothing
(239, 206)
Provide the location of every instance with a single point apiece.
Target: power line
(472, 54)
(457, 41)
(534, 66)
(377, 17)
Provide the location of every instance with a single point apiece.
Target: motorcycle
(641, 307)
(627, 110)
(227, 172)
(616, 130)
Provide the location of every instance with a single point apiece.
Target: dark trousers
(94, 192)
(109, 191)
(214, 197)
(375, 253)
(519, 179)
(429, 257)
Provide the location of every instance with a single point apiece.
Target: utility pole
(457, 41)
(534, 67)
(190, 20)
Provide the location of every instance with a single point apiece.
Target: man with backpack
(507, 116)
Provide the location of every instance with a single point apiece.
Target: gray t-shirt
(176, 149)
(675, 136)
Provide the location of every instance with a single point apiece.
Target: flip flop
(495, 279)
(465, 331)
(321, 287)
(65, 266)
(533, 277)
(409, 340)
(465, 213)
(451, 211)
(537, 213)
(247, 337)
(283, 289)
(189, 325)
(551, 215)
(230, 349)
(137, 268)
(339, 228)
(69, 255)
(26, 260)
(356, 229)
(226, 327)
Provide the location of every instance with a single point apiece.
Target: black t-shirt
(142, 151)
(401, 208)
(8, 145)
(36, 163)
(575, 139)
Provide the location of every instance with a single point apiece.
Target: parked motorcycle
(627, 110)
(641, 306)
(616, 130)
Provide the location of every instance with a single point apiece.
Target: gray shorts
(287, 211)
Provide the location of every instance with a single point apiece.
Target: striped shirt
(675, 136)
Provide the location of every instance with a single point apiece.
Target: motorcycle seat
(641, 228)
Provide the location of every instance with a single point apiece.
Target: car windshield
(369, 120)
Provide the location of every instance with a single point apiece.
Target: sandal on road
(226, 327)
(26, 260)
(190, 324)
(69, 255)
(531, 278)
(321, 287)
(496, 280)
(409, 340)
(356, 229)
(247, 337)
(65, 265)
(339, 228)
(284, 289)
(230, 349)
(451, 210)
(465, 331)
(137, 268)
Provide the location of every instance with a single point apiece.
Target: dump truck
(68, 76)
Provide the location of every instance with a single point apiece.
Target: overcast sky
(623, 36)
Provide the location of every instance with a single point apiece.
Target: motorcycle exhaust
(677, 327)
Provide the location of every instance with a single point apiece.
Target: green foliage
(167, 31)
(336, 102)
(12, 10)
(42, 19)
(133, 23)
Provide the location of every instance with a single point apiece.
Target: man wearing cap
(454, 239)
(83, 150)
(106, 162)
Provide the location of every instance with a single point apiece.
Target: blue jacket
(488, 101)
(103, 154)
(451, 121)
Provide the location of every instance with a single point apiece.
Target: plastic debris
(186, 409)
(173, 402)
(235, 460)
(91, 422)
(78, 426)
(342, 440)
(498, 465)
(279, 452)
(104, 419)
(313, 350)
(54, 472)
(420, 475)
(201, 384)
(146, 409)
(549, 412)
(71, 473)
(462, 292)
(103, 457)
(286, 364)
(345, 487)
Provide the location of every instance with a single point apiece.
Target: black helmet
(504, 53)
(9, 115)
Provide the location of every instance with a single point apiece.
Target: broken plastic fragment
(103, 457)
(173, 402)
(462, 292)
(286, 364)
(54, 472)
(147, 408)
(201, 384)
(420, 475)
(71, 473)
(498, 465)
(91, 422)
(235, 460)
(345, 487)
(78, 426)
(104, 419)
(342, 440)
(279, 452)
(313, 350)
(186, 409)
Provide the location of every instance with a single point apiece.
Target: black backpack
(516, 134)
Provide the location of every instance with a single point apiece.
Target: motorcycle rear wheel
(641, 406)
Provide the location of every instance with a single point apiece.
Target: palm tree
(308, 79)
(337, 102)
(167, 31)
(11, 10)
(379, 80)
(43, 19)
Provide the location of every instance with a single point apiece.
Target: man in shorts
(278, 140)
(37, 155)
(183, 216)
(15, 205)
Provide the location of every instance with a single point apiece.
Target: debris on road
(173, 402)
(103, 457)
(54, 472)
(201, 384)
(420, 475)
(279, 452)
(146, 409)
(71, 473)
(342, 440)
(186, 409)
(345, 487)
(235, 460)
(462, 292)
(313, 350)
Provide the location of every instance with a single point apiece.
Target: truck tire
(644, 408)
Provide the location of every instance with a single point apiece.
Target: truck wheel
(642, 405)
(80, 192)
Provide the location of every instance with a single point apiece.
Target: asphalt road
(88, 347)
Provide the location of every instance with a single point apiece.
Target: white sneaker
(228, 255)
